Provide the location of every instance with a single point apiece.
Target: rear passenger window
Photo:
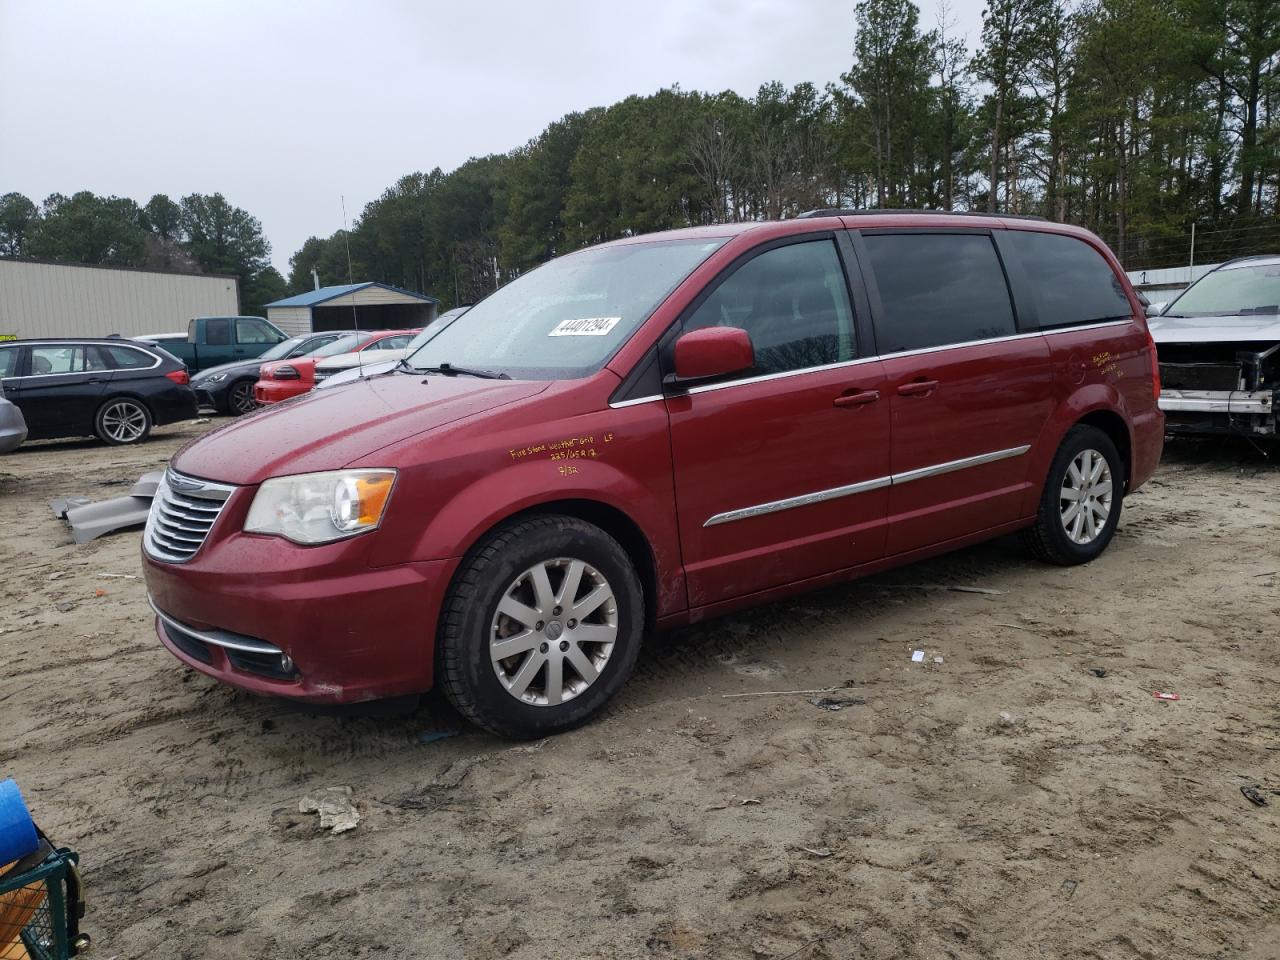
(938, 289)
(794, 303)
(1070, 280)
(126, 358)
(51, 360)
(217, 333)
(8, 361)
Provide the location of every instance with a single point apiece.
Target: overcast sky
(286, 106)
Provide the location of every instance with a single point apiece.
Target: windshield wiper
(449, 370)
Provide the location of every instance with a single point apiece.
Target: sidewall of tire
(466, 625)
(1081, 438)
(102, 411)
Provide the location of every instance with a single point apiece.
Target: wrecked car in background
(1219, 349)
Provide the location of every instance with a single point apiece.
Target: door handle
(856, 398)
(917, 388)
(95, 380)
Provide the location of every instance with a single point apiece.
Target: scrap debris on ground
(1007, 804)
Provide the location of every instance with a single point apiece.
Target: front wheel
(240, 398)
(541, 627)
(122, 420)
(1081, 502)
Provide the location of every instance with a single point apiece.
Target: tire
(122, 421)
(501, 570)
(1067, 537)
(240, 398)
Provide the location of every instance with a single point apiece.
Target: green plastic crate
(53, 931)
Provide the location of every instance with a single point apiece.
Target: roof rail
(838, 212)
(1249, 256)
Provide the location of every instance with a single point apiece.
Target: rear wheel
(1081, 502)
(541, 627)
(121, 421)
(240, 398)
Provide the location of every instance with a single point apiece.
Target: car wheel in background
(240, 398)
(1081, 502)
(541, 627)
(122, 420)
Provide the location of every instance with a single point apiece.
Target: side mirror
(1155, 309)
(713, 352)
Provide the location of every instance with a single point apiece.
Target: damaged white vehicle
(1219, 350)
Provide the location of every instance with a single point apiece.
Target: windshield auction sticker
(586, 327)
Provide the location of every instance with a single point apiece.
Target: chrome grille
(183, 512)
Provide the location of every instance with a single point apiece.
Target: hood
(326, 430)
(1255, 328)
(239, 366)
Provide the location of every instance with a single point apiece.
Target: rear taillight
(1155, 367)
(179, 377)
(286, 373)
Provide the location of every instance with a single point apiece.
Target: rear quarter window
(127, 358)
(938, 289)
(1071, 283)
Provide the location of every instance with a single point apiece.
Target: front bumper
(1219, 411)
(351, 632)
(275, 391)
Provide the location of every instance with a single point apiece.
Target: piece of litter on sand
(835, 703)
(820, 852)
(1254, 795)
(1068, 888)
(750, 801)
(937, 660)
(917, 656)
(337, 810)
(778, 693)
(1098, 672)
(431, 736)
(1165, 696)
(117, 576)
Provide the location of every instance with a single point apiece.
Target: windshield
(342, 345)
(566, 318)
(283, 348)
(1231, 292)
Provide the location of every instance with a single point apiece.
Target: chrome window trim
(1050, 331)
(80, 343)
(631, 403)
(864, 486)
(781, 375)
(919, 351)
(217, 638)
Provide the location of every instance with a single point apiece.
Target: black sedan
(114, 389)
(229, 388)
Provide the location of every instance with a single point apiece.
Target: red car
(285, 379)
(651, 432)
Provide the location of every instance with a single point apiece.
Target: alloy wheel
(1086, 496)
(553, 631)
(124, 421)
(242, 398)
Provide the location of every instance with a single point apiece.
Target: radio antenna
(351, 280)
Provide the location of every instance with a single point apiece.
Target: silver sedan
(13, 428)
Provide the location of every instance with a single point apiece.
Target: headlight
(213, 378)
(321, 507)
(286, 373)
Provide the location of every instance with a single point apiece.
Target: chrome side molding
(878, 483)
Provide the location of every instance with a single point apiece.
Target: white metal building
(353, 306)
(42, 299)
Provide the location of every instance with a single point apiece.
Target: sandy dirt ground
(1005, 802)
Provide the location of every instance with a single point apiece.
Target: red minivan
(654, 431)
